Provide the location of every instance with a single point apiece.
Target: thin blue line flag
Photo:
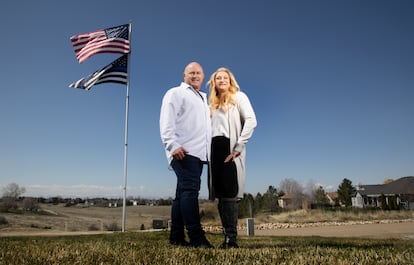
(115, 72)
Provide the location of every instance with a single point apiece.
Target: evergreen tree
(270, 198)
(258, 203)
(345, 192)
(246, 206)
(319, 196)
(383, 200)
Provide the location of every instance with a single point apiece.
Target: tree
(310, 189)
(258, 203)
(30, 204)
(393, 205)
(13, 191)
(291, 186)
(10, 195)
(388, 181)
(319, 197)
(345, 192)
(383, 200)
(246, 206)
(294, 190)
(270, 199)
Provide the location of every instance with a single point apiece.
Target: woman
(233, 122)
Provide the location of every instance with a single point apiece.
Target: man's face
(194, 75)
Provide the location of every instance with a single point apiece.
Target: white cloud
(329, 188)
(84, 191)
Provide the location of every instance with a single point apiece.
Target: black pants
(224, 175)
(225, 184)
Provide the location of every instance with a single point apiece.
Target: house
(333, 198)
(398, 194)
(293, 201)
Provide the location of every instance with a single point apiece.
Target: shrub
(3, 221)
(93, 227)
(30, 204)
(209, 212)
(113, 227)
(8, 204)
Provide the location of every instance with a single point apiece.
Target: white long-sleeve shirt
(220, 124)
(185, 122)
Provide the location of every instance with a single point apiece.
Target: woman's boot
(228, 210)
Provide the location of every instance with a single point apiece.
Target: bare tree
(30, 204)
(310, 189)
(294, 190)
(13, 190)
(291, 186)
(10, 195)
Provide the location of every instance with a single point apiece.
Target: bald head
(193, 75)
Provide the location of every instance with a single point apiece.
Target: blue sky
(331, 82)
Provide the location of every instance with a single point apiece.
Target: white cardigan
(242, 121)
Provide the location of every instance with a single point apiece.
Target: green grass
(153, 248)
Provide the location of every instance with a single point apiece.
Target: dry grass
(318, 216)
(77, 218)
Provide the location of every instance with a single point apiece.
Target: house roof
(291, 196)
(403, 185)
(333, 195)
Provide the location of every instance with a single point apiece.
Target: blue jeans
(185, 208)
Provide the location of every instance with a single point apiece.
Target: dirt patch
(397, 229)
(82, 219)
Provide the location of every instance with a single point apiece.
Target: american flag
(110, 40)
(115, 72)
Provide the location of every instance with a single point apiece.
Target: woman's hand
(232, 156)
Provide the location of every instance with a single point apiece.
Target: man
(185, 129)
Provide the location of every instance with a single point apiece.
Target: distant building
(333, 198)
(292, 201)
(113, 204)
(399, 192)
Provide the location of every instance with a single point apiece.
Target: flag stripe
(94, 78)
(115, 72)
(111, 79)
(82, 39)
(107, 47)
(111, 40)
(104, 43)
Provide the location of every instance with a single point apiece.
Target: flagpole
(126, 137)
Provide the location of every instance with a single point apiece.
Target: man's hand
(179, 153)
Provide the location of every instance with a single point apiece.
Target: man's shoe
(202, 244)
(182, 243)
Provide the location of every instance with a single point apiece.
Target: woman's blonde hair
(215, 100)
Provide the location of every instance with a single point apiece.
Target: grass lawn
(153, 248)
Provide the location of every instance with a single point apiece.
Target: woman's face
(222, 81)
